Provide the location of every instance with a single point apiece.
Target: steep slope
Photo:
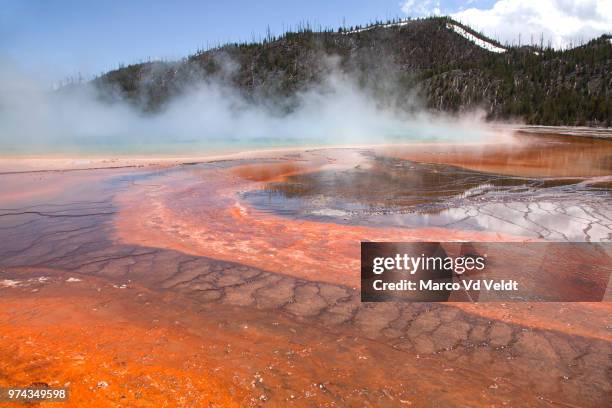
(449, 66)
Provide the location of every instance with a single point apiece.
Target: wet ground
(236, 282)
(394, 192)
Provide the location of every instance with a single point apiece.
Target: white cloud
(562, 22)
(421, 8)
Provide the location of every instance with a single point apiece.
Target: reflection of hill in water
(392, 184)
(391, 192)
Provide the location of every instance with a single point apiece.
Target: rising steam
(210, 116)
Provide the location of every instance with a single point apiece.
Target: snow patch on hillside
(462, 32)
(389, 25)
(471, 37)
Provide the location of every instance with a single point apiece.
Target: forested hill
(443, 64)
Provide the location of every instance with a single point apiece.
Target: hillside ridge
(442, 63)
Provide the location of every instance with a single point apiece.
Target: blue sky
(65, 37)
(55, 39)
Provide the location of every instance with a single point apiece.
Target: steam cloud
(210, 116)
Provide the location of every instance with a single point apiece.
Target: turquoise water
(129, 146)
(153, 148)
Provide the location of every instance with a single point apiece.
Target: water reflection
(388, 191)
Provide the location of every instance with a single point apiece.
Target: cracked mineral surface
(235, 282)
